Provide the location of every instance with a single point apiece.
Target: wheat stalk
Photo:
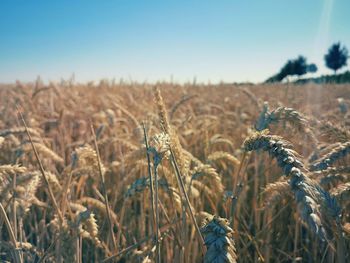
(103, 184)
(60, 216)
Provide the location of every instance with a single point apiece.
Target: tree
(312, 68)
(294, 67)
(336, 57)
(299, 66)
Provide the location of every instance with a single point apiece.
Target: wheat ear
(218, 237)
(327, 160)
(301, 186)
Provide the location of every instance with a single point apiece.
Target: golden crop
(169, 173)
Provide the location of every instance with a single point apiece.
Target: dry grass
(160, 192)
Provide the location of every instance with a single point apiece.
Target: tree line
(335, 59)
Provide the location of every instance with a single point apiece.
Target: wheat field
(126, 172)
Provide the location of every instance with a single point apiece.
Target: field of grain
(167, 173)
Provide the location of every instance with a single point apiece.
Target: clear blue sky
(237, 40)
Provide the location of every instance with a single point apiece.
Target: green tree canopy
(294, 67)
(336, 57)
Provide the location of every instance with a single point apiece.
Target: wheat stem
(17, 256)
(153, 204)
(104, 190)
(183, 190)
(42, 169)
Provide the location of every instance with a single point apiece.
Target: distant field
(223, 150)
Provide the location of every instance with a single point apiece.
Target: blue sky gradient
(154, 40)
